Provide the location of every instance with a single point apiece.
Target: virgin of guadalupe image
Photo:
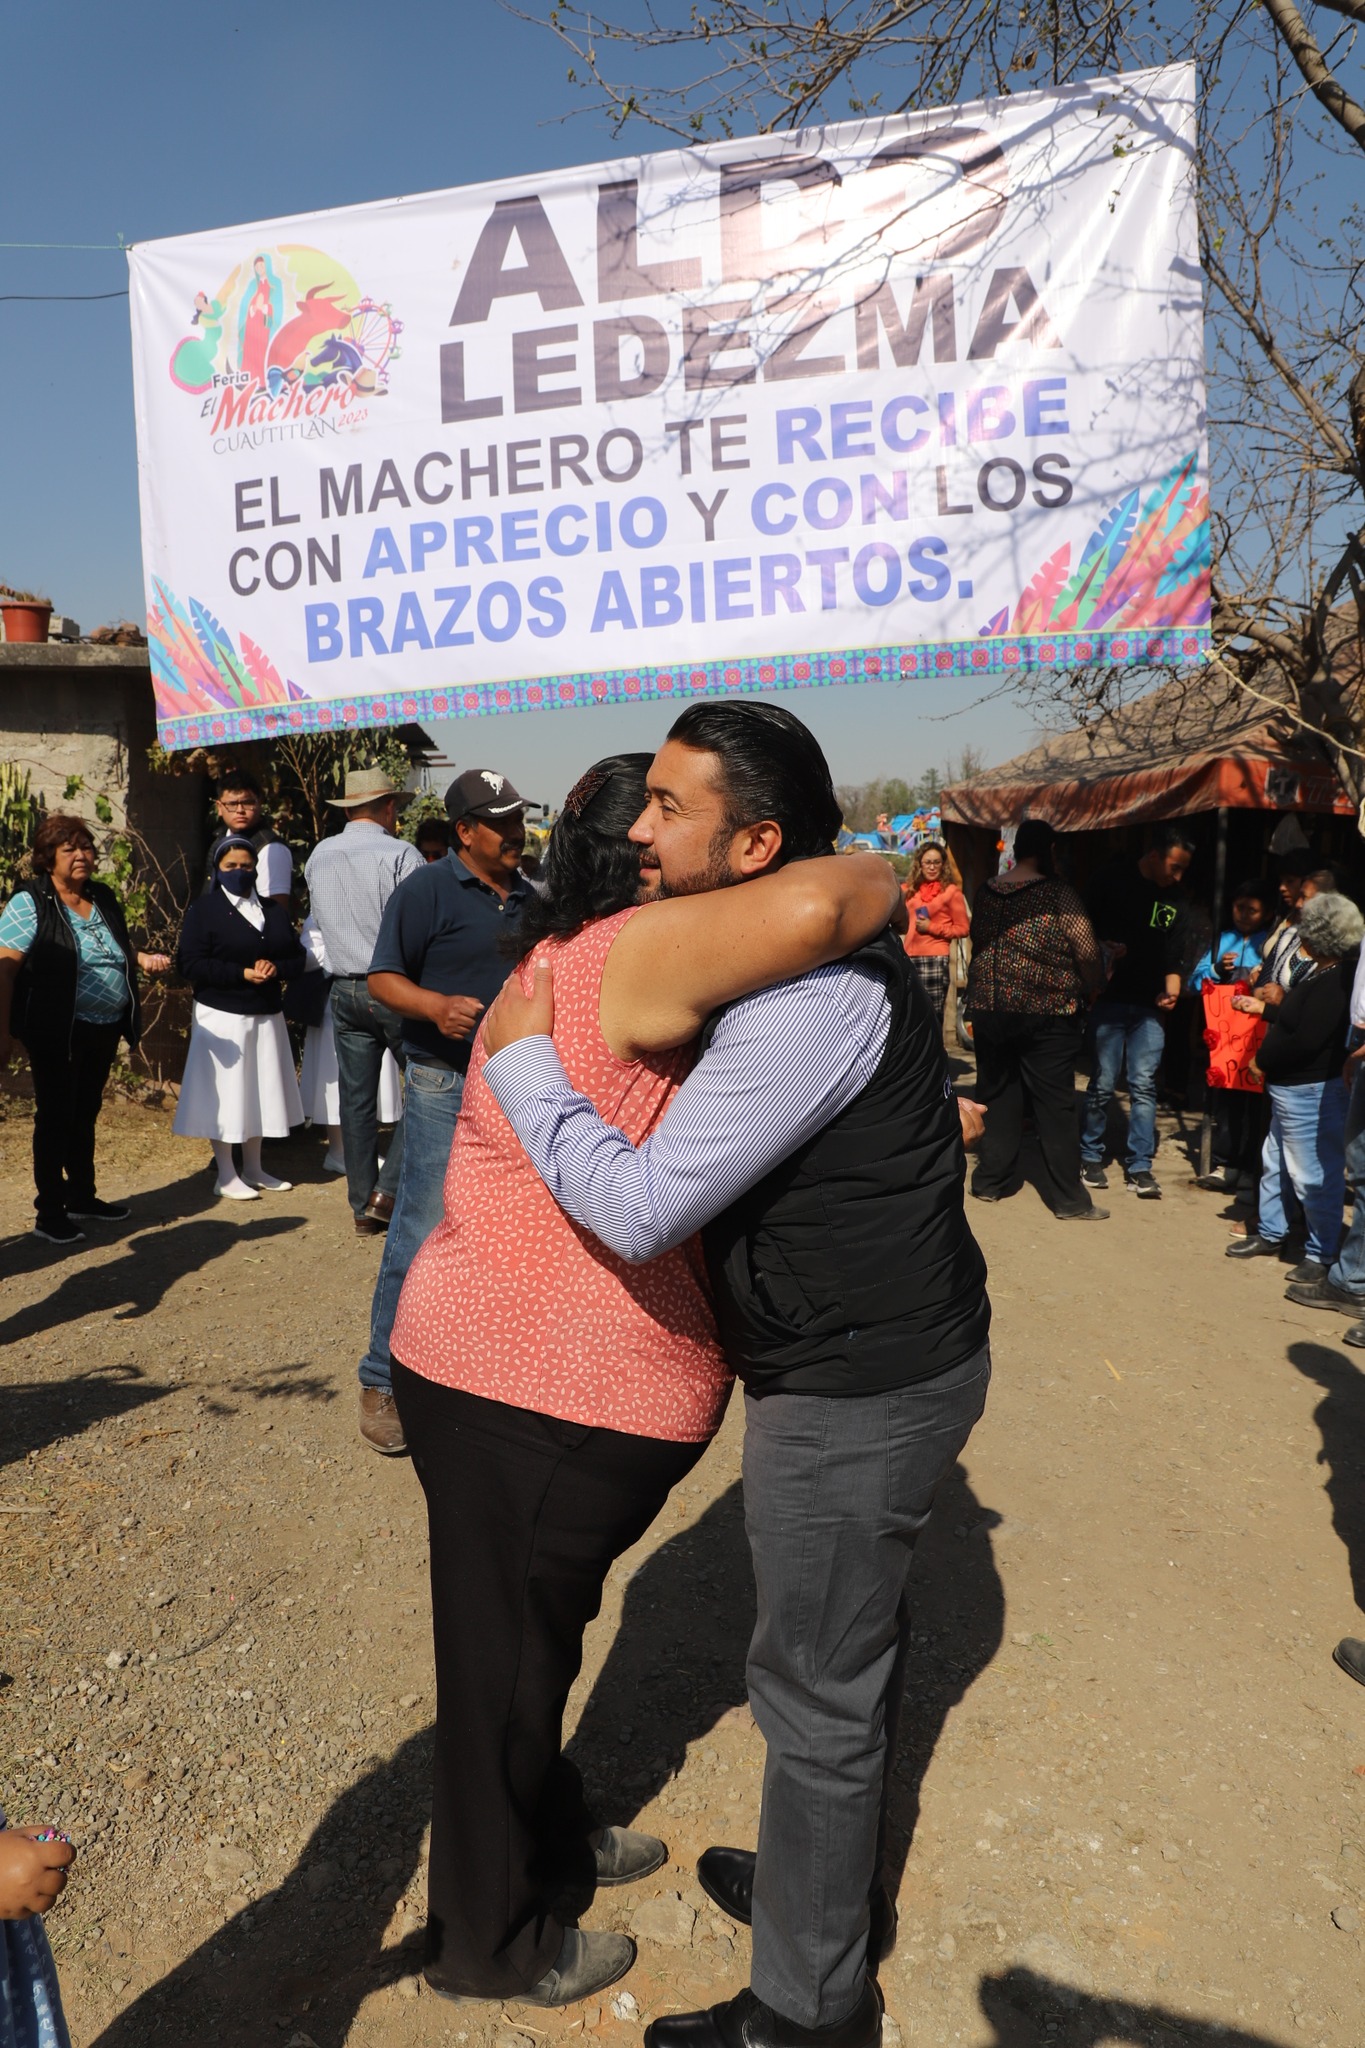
(261, 310)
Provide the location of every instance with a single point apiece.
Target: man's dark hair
(432, 828)
(238, 778)
(1035, 840)
(1167, 837)
(590, 869)
(771, 766)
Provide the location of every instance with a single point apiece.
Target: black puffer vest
(44, 1007)
(850, 1268)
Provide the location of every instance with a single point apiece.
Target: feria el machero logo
(287, 348)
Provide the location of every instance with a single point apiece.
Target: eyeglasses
(237, 803)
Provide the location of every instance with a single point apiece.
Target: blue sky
(158, 120)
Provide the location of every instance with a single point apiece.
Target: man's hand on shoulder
(516, 1015)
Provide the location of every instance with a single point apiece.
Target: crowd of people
(676, 1122)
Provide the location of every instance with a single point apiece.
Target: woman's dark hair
(771, 766)
(1035, 840)
(1255, 891)
(590, 869)
(62, 828)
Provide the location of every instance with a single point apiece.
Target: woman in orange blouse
(938, 914)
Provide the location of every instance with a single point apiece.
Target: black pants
(1240, 1123)
(527, 1515)
(68, 1087)
(1014, 1053)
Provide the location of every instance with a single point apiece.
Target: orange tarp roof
(1192, 745)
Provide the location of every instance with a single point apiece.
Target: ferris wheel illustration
(373, 333)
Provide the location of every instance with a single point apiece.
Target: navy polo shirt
(445, 929)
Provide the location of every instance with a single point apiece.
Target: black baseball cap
(481, 793)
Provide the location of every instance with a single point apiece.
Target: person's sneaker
(1320, 1293)
(1093, 1174)
(621, 1855)
(1350, 1655)
(1221, 1181)
(58, 1230)
(380, 1424)
(96, 1211)
(1094, 1214)
(1144, 1185)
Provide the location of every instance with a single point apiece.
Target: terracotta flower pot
(25, 621)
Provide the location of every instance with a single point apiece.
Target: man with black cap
(439, 961)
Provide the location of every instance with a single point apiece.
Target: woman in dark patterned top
(1036, 968)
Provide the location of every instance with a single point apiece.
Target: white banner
(913, 396)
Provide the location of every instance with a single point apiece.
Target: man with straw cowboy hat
(350, 879)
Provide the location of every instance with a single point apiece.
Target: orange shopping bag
(1233, 1037)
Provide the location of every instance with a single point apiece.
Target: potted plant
(23, 614)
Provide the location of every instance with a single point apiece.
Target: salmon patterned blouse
(510, 1300)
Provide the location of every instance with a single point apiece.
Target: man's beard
(717, 873)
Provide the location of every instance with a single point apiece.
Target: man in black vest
(818, 1146)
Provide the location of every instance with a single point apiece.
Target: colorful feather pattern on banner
(1141, 568)
(195, 666)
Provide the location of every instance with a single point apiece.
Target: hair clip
(585, 789)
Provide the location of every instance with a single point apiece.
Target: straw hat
(367, 786)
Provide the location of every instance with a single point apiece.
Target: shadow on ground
(1340, 1416)
(1029, 2011)
(311, 1951)
(40, 1412)
(676, 1665)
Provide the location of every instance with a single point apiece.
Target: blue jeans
(431, 1103)
(1137, 1033)
(363, 1031)
(1349, 1270)
(1306, 1153)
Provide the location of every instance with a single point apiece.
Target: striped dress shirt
(350, 879)
(780, 1066)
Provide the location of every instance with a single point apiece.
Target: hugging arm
(781, 1065)
(676, 962)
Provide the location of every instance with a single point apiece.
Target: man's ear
(759, 847)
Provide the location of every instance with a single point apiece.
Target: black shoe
(746, 2022)
(1144, 1185)
(1312, 1273)
(58, 1230)
(1256, 1247)
(96, 1211)
(1350, 1654)
(1222, 1180)
(1094, 1175)
(727, 1876)
(1094, 1214)
(1320, 1293)
(586, 1963)
(978, 1195)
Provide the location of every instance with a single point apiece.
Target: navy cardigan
(217, 945)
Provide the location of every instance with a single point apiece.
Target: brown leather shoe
(364, 1227)
(378, 1209)
(379, 1422)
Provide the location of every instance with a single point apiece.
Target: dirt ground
(1131, 1783)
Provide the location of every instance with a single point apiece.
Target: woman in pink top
(938, 914)
(552, 1394)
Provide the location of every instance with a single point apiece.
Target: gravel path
(1133, 1776)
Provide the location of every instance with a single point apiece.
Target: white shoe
(269, 1185)
(236, 1191)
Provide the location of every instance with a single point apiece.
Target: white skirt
(321, 1086)
(239, 1079)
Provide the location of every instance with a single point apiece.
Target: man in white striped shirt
(817, 1147)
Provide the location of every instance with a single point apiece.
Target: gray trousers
(836, 1492)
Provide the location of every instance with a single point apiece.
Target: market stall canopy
(1193, 745)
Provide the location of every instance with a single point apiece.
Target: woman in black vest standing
(68, 992)
(239, 1086)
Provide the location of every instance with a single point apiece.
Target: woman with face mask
(239, 1085)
